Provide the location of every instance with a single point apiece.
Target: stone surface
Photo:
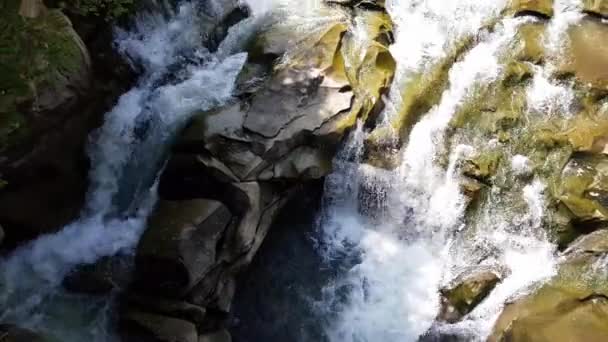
(11, 333)
(160, 328)
(468, 291)
(218, 336)
(52, 94)
(542, 7)
(179, 246)
(571, 306)
(583, 188)
(248, 157)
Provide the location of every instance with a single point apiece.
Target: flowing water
(179, 77)
(390, 239)
(394, 264)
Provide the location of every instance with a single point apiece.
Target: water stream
(385, 241)
(179, 77)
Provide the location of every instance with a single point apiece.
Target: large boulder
(143, 326)
(102, 277)
(570, 307)
(179, 247)
(12, 333)
(583, 188)
(598, 7)
(233, 169)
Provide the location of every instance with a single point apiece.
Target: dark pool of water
(276, 296)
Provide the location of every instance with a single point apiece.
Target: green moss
(34, 54)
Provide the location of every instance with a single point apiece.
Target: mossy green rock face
(572, 306)
(43, 64)
(469, 291)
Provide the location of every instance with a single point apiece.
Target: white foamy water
(392, 288)
(427, 30)
(566, 13)
(126, 153)
(393, 264)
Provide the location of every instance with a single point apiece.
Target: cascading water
(389, 238)
(391, 265)
(179, 77)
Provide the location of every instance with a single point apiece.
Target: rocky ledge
(233, 169)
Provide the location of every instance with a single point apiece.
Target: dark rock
(140, 326)
(179, 247)
(102, 277)
(11, 333)
(170, 307)
(218, 336)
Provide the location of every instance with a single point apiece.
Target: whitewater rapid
(126, 152)
(393, 261)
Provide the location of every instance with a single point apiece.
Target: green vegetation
(35, 54)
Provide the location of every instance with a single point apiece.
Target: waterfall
(179, 77)
(390, 265)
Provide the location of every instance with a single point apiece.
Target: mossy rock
(530, 45)
(43, 64)
(542, 7)
(572, 306)
(583, 187)
(599, 7)
(468, 292)
(482, 166)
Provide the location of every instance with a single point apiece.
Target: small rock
(469, 291)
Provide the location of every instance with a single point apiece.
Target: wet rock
(179, 247)
(52, 94)
(583, 188)
(151, 327)
(12, 333)
(482, 167)
(218, 336)
(571, 306)
(41, 160)
(233, 169)
(468, 291)
(102, 277)
(172, 308)
(541, 7)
